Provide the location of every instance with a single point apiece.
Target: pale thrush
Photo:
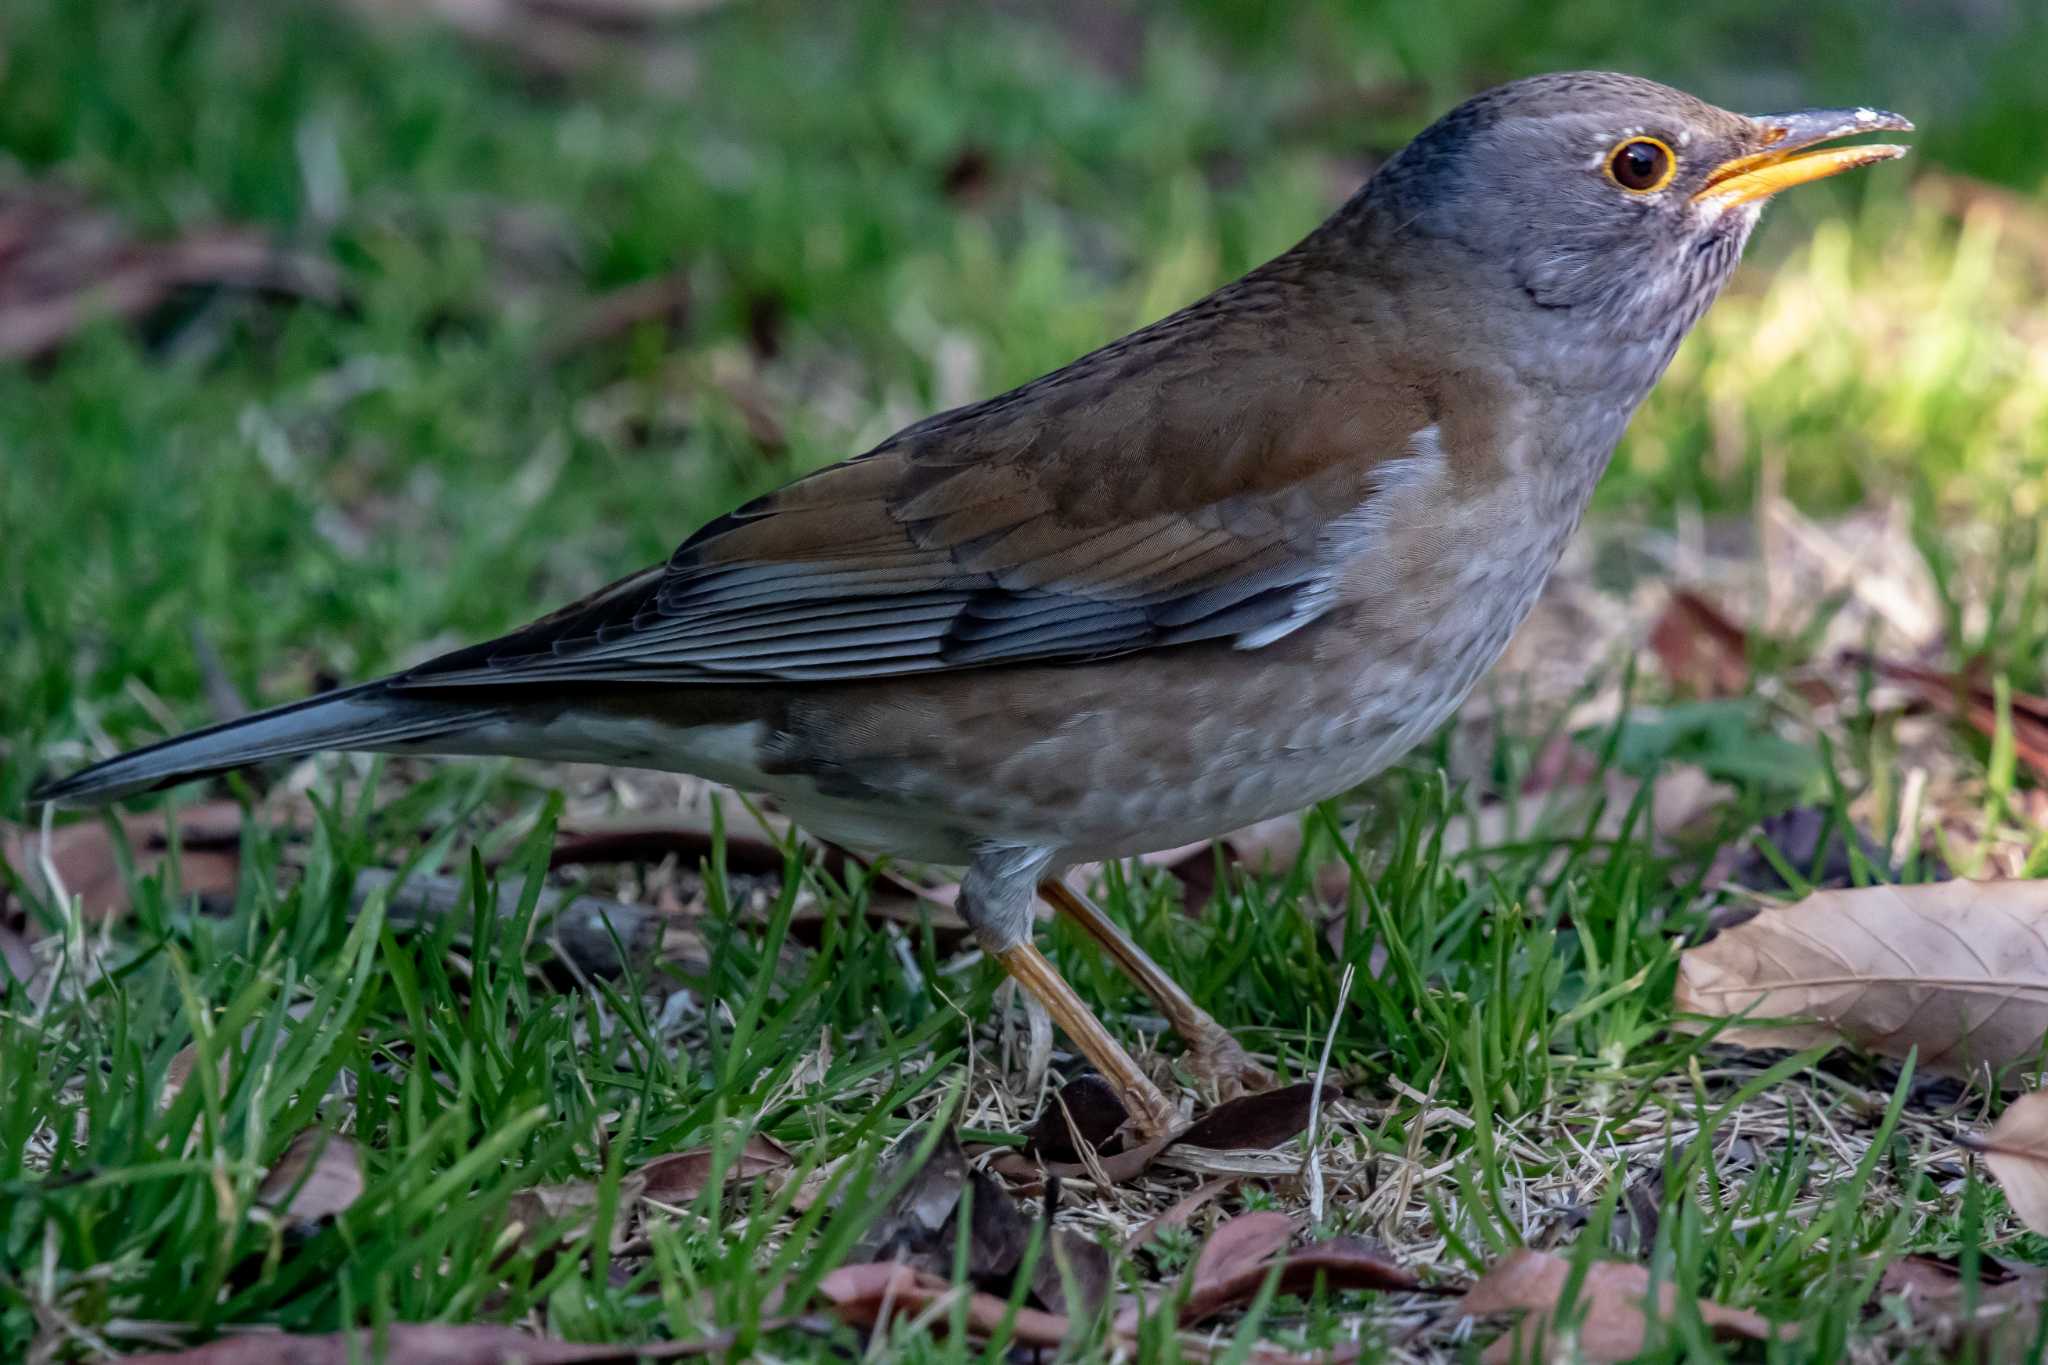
(1227, 566)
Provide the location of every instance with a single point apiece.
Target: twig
(1313, 1162)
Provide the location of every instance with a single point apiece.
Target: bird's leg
(995, 900)
(1213, 1055)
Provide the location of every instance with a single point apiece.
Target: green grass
(318, 491)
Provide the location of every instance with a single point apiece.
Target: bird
(1222, 568)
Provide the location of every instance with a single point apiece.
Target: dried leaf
(1257, 1122)
(680, 1177)
(2006, 1322)
(1244, 1242)
(663, 300)
(1233, 1265)
(433, 1343)
(1702, 650)
(1182, 1210)
(2016, 1151)
(319, 1175)
(1612, 1296)
(1816, 846)
(1074, 1274)
(1087, 1109)
(1976, 703)
(910, 1225)
(867, 1294)
(1346, 1263)
(1956, 969)
(1235, 1280)
(564, 1210)
(68, 263)
(86, 860)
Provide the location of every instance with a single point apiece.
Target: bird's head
(1614, 205)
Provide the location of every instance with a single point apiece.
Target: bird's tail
(370, 717)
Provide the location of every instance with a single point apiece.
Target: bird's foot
(1219, 1063)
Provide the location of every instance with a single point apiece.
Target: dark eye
(1641, 165)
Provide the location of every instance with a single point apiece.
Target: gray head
(1604, 208)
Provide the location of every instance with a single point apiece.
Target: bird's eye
(1641, 165)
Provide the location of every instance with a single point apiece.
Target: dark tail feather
(369, 717)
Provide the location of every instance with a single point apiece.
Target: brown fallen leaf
(913, 1223)
(867, 1294)
(425, 1343)
(1085, 1110)
(319, 1175)
(1183, 1209)
(66, 263)
(2016, 1152)
(2006, 1322)
(1258, 1122)
(1703, 651)
(663, 300)
(1613, 1325)
(870, 1295)
(1814, 844)
(209, 836)
(1074, 1274)
(1971, 699)
(680, 1177)
(550, 1217)
(1233, 1265)
(1957, 969)
(1239, 1250)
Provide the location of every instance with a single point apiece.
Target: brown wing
(1181, 484)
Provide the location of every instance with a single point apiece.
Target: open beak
(1785, 162)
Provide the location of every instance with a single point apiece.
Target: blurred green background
(852, 213)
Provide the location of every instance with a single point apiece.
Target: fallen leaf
(1975, 702)
(2016, 1152)
(1257, 1122)
(209, 837)
(2005, 1323)
(1816, 846)
(424, 1343)
(67, 263)
(1074, 1274)
(1958, 970)
(663, 300)
(1233, 1265)
(1182, 1210)
(1086, 1109)
(1613, 1326)
(319, 1175)
(869, 1295)
(1243, 1242)
(910, 1225)
(1237, 1251)
(564, 1210)
(680, 1177)
(1704, 653)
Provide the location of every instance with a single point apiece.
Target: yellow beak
(1785, 161)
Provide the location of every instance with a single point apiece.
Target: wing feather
(1145, 497)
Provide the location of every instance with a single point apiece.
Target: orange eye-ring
(1641, 165)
